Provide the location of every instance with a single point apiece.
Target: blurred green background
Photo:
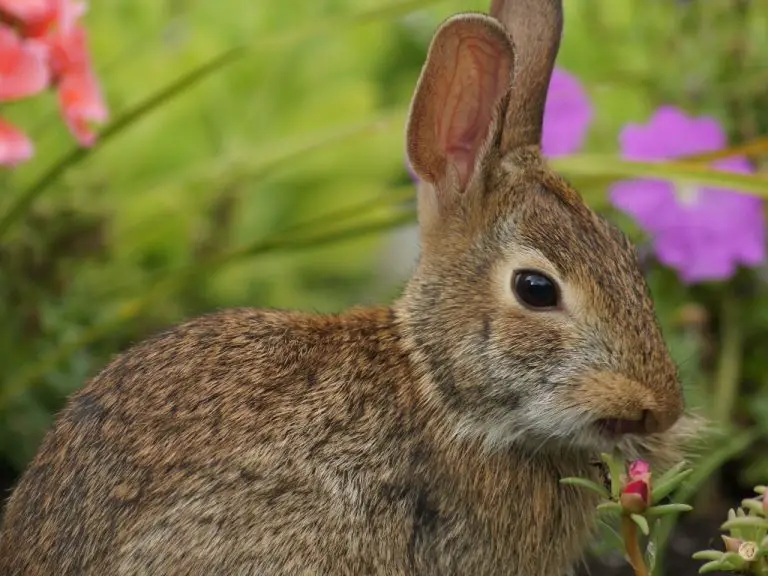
(255, 158)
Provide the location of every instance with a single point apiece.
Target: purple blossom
(567, 117)
(703, 233)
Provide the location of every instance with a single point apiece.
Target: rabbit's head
(528, 309)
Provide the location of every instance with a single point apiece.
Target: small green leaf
(709, 567)
(760, 489)
(733, 560)
(663, 489)
(746, 522)
(613, 507)
(671, 473)
(641, 522)
(665, 509)
(754, 506)
(615, 468)
(708, 555)
(584, 483)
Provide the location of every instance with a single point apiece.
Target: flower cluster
(43, 46)
(746, 549)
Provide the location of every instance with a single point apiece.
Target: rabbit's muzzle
(620, 406)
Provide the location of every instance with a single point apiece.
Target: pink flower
(26, 10)
(636, 493)
(80, 97)
(81, 104)
(567, 115)
(54, 52)
(15, 147)
(703, 233)
(639, 469)
(23, 66)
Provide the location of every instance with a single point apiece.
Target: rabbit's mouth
(616, 428)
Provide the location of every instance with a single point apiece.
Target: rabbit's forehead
(585, 250)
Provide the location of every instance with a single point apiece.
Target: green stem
(632, 546)
(729, 363)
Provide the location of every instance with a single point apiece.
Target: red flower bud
(635, 496)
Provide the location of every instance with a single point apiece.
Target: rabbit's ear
(466, 76)
(536, 27)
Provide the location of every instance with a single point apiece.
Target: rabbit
(426, 437)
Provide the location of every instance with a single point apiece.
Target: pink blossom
(23, 66)
(26, 10)
(81, 104)
(636, 492)
(703, 233)
(15, 147)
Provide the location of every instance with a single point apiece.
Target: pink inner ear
(479, 77)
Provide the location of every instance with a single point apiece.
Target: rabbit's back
(237, 440)
(276, 443)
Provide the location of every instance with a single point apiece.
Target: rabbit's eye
(535, 290)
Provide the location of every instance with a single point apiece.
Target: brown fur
(423, 438)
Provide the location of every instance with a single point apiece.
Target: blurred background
(254, 156)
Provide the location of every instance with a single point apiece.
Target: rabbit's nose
(624, 406)
(655, 421)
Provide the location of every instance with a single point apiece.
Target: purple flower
(703, 233)
(567, 115)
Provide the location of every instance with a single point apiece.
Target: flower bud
(732, 544)
(635, 497)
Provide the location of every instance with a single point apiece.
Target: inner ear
(467, 74)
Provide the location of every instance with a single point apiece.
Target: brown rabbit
(423, 438)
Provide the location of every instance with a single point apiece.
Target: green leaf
(733, 560)
(754, 506)
(665, 488)
(671, 473)
(665, 509)
(708, 555)
(746, 522)
(760, 489)
(641, 522)
(611, 507)
(710, 567)
(584, 483)
(615, 469)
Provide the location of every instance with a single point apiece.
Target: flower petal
(82, 104)
(639, 469)
(703, 233)
(567, 115)
(26, 10)
(15, 146)
(23, 66)
(650, 202)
